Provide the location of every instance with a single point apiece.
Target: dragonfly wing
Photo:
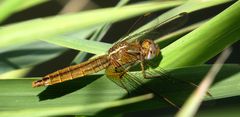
(129, 81)
(161, 73)
(157, 72)
(117, 75)
(133, 84)
(146, 88)
(161, 29)
(138, 85)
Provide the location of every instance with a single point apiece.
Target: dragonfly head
(150, 49)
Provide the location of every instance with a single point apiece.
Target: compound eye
(150, 55)
(151, 49)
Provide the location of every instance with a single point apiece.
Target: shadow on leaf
(61, 89)
(174, 90)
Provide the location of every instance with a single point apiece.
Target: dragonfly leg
(180, 80)
(159, 95)
(194, 85)
(170, 102)
(115, 74)
(164, 75)
(142, 67)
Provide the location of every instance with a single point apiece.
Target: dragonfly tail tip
(37, 83)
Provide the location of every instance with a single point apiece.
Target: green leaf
(225, 110)
(190, 7)
(97, 36)
(14, 74)
(28, 4)
(191, 106)
(74, 109)
(104, 47)
(173, 36)
(77, 92)
(205, 42)
(28, 31)
(15, 58)
(8, 7)
(17, 94)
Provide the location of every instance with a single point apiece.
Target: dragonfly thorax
(149, 49)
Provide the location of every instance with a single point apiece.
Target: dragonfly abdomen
(75, 71)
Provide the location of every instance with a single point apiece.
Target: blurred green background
(219, 107)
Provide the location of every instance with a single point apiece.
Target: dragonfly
(122, 56)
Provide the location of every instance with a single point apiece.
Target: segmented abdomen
(75, 71)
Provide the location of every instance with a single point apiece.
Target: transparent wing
(161, 73)
(133, 83)
(117, 76)
(159, 30)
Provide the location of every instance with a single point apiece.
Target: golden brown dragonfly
(117, 62)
